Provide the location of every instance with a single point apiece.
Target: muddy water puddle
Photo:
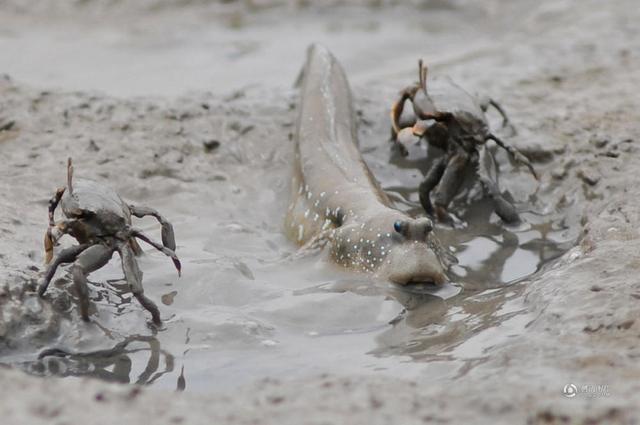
(243, 310)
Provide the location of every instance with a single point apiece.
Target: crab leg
(486, 102)
(515, 154)
(65, 256)
(90, 260)
(166, 251)
(168, 238)
(431, 180)
(450, 183)
(133, 276)
(136, 247)
(505, 210)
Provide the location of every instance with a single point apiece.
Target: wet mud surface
(532, 306)
(242, 301)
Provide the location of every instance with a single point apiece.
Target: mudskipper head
(394, 247)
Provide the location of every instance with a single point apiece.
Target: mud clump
(26, 320)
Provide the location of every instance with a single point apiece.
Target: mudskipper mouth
(413, 264)
(435, 279)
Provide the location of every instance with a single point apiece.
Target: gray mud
(140, 95)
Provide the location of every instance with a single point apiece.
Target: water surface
(242, 310)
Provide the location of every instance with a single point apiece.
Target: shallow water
(242, 310)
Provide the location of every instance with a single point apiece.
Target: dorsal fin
(69, 176)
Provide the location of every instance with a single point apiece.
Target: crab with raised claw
(452, 120)
(100, 221)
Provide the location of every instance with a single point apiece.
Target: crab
(452, 120)
(100, 221)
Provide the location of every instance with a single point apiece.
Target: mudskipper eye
(397, 226)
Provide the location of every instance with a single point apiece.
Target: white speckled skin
(335, 195)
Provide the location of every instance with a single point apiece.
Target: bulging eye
(397, 226)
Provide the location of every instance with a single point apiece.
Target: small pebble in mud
(239, 128)
(167, 299)
(626, 324)
(599, 142)
(7, 126)
(135, 391)
(627, 145)
(210, 145)
(218, 178)
(589, 177)
(93, 147)
(610, 154)
(556, 79)
(243, 269)
(275, 399)
(246, 129)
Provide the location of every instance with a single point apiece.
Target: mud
(250, 335)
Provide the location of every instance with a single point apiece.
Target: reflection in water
(494, 260)
(433, 329)
(114, 364)
(182, 383)
(243, 323)
(240, 316)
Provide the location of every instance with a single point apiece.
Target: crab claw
(51, 237)
(168, 237)
(176, 263)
